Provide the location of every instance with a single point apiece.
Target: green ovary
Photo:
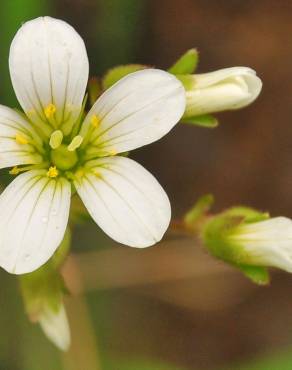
(64, 159)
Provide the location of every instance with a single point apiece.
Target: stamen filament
(24, 140)
(94, 123)
(99, 153)
(16, 170)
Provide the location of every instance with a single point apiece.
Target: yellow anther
(95, 121)
(50, 110)
(56, 139)
(14, 171)
(52, 172)
(20, 139)
(75, 143)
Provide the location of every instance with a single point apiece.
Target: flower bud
(225, 89)
(42, 292)
(245, 237)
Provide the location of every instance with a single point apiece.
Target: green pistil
(64, 159)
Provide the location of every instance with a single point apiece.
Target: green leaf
(256, 274)
(186, 64)
(116, 73)
(205, 120)
(199, 210)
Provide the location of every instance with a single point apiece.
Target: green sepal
(116, 73)
(78, 212)
(205, 120)
(218, 229)
(215, 238)
(94, 90)
(257, 274)
(62, 251)
(186, 64)
(249, 215)
(41, 289)
(198, 211)
(188, 81)
(44, 288)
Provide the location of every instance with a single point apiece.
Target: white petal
(267, 243)
(49, 65)
(11, 152)
(56, 327)
(138, 110)
(204, 80)
(34, 212)
(125, 200)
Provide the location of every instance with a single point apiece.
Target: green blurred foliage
(14, 13)
(139, 364)
(279, 361)
(118, 31)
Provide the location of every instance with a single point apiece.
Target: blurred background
(172, 307)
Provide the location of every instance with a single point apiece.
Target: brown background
(174, 303)
(211, 317)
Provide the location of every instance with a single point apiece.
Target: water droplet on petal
(26, 256)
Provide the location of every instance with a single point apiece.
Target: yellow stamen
(52, 172)
(50, 110)
(56, 139)
(14, 171)
(20, 139)
(75, 143)
(95, 121)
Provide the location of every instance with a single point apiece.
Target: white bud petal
(226, 89)
(267, 243)
(56, 327)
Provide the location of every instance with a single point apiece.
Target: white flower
(226, 89)
(266, 243)
(56, 327)
(56, 149)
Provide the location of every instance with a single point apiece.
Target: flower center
(64, 159)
